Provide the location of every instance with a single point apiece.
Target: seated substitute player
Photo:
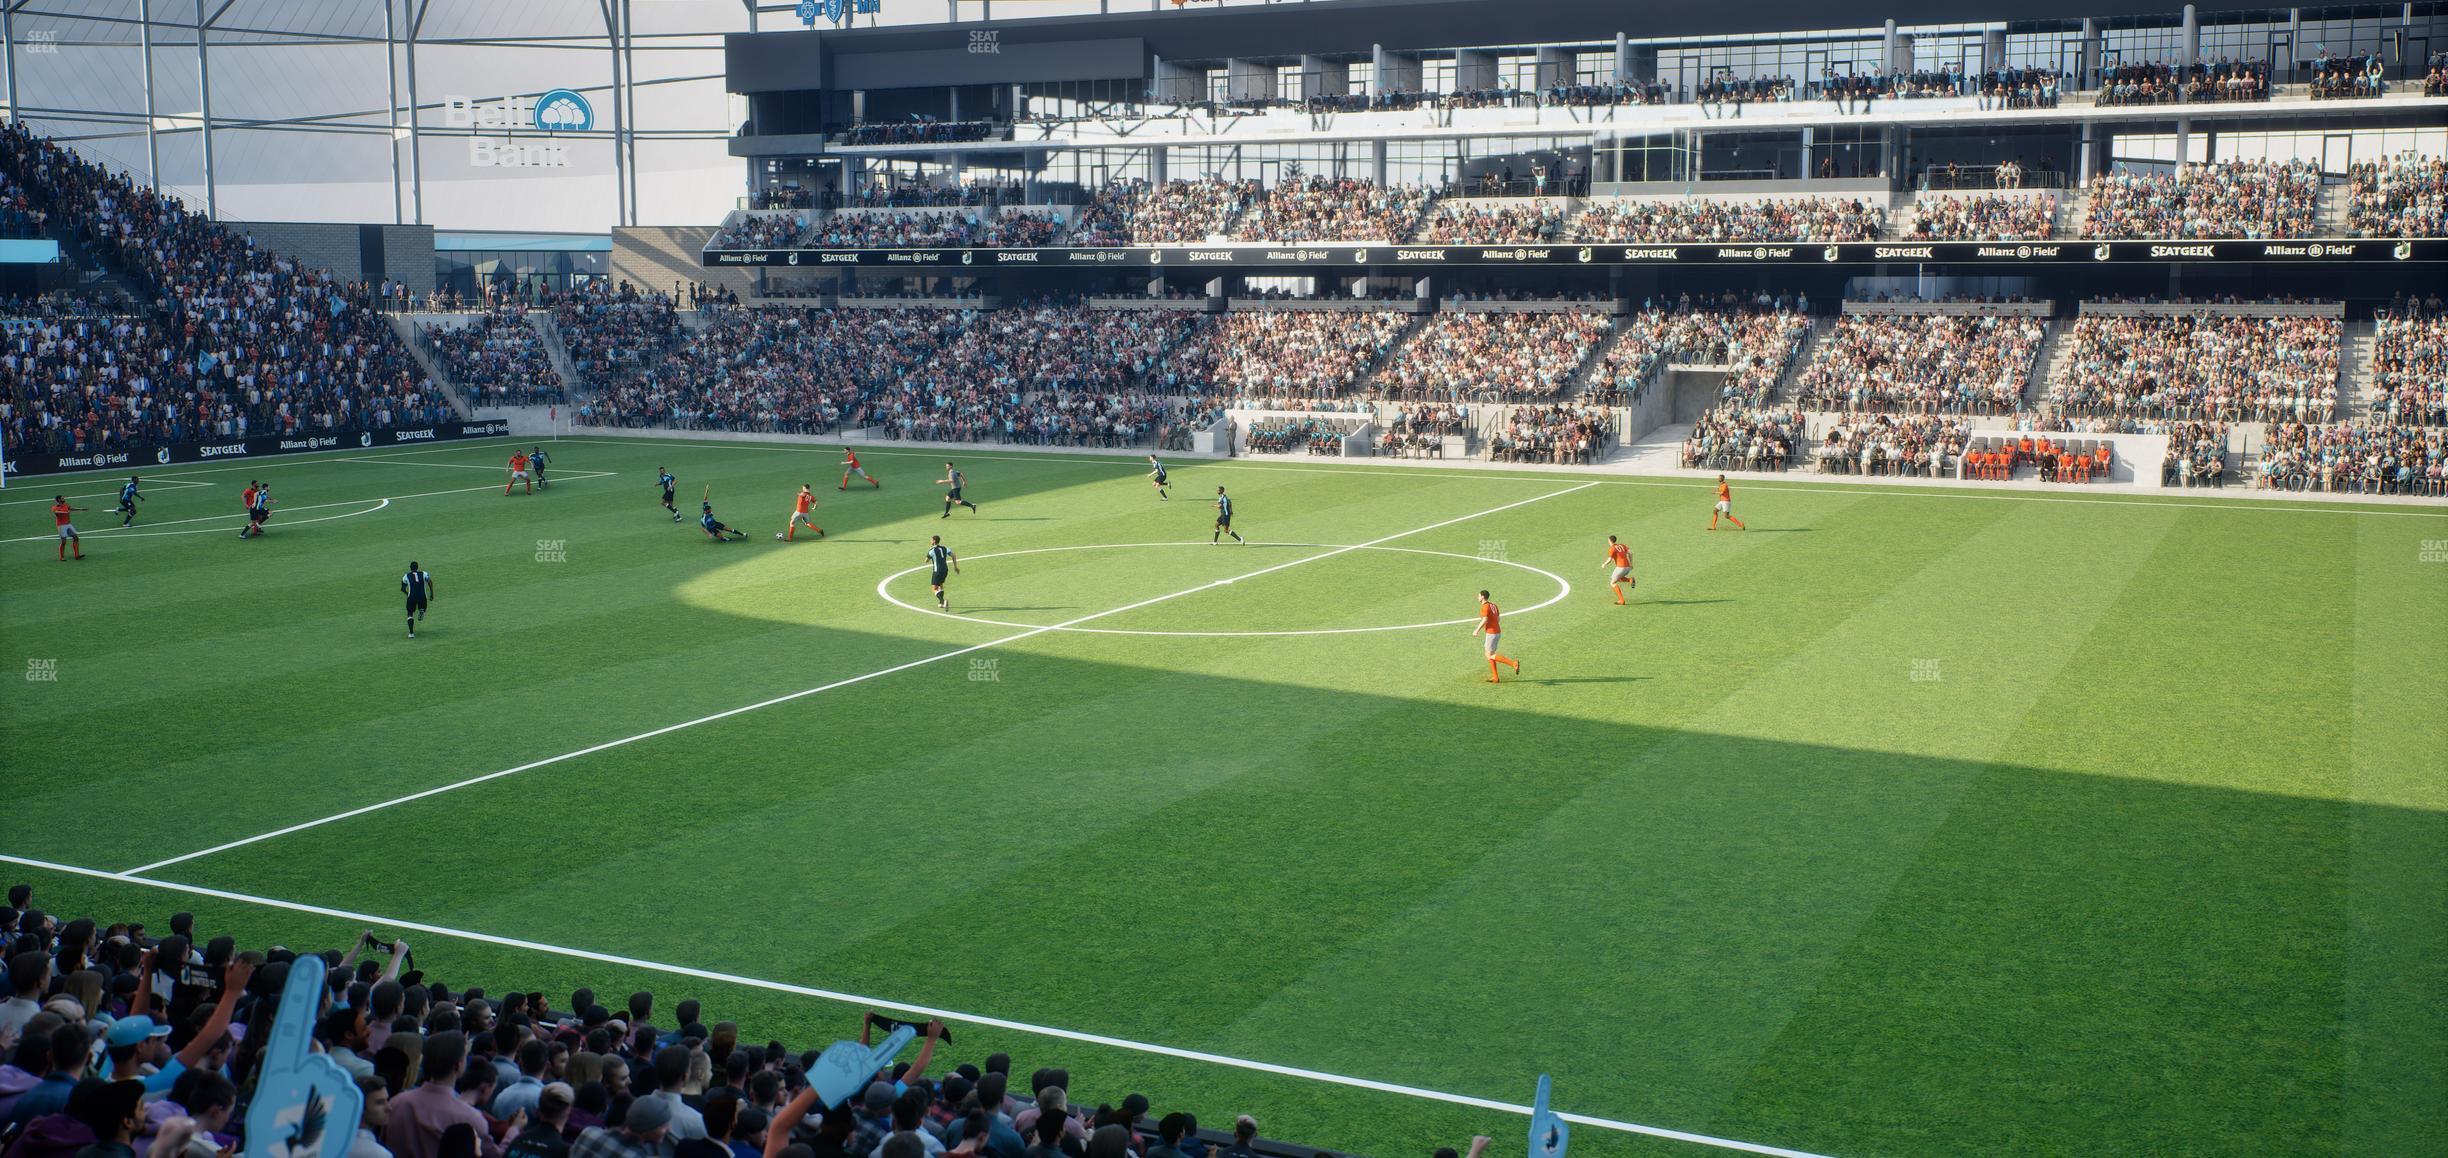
(60, 510)
(128, 498)
(1619, 568)
(1156, 476)
(518, 473)
(952, 498)
(664, 479)
(418, 586)
(942, 559)
(1492, 627)
(850, 466)
(799, 514)
(1725, 506)
(716, 529)
(1223, 523)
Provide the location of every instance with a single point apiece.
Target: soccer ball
(777, 534)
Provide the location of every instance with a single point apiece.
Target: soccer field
(1905, 822)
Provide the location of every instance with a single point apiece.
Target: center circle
(1563, 589)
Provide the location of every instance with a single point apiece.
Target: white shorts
(857, 470)
(1621, 574)
(67, 531)
(1491, 638)
(517, 475)
(800, 516)
(1724, 507)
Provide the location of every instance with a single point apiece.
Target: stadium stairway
(2356, 391)
(1820, 328)
(2049, 365)
(405, 325)
(2331, 213)
(1900, 219)
(550, 330)
(96, 281)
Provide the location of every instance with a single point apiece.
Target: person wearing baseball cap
(644, 1133)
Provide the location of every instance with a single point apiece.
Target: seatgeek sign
(558, 111)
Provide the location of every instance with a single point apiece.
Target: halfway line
(840, 683)
(919, 1010)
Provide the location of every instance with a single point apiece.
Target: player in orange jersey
(1490, 627)
(518, 473)
(1725, 507)
(1619, 568)
(850, 466)
(60, 510)
(799, 514)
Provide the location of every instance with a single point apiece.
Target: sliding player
(799, 515)
(664, 479)
(1619, 564)
(1725, 506)
(716, 529)
(952, 498)
(60, 510)
(1156, 476)
(128, 498)
(418, 586)
(941, 558)
(1223, 523)
(1494, 630)
(518, 473)
(850, 466)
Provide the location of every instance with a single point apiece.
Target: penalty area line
(819, 689)
(910, 1009)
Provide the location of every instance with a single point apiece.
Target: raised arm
(926, 1053)
(787, 1119)
(233, 983)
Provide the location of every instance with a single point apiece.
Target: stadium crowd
(1923, 364)
(1743, 438)
(1985, 218)
(2409, 369)
(1476, 356)
(121, 1043)
(879, 229)
(1559, 434)
(1136, 212)
(233, 339)
(1266, 357)
(1333, 209)
(2166, 82)
(1484, 224)
(2354, 458)
(1915, 445)
(2334, 77)
(918, 131)
(1808, 219)
(1311, 435)
(2196, 455)
(2405, 196)
(2248, 199)
(2201, 366)
(614, 332)
(1419, 430)
(761, 231)
(497, 359)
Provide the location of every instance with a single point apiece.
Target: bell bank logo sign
(558, 111)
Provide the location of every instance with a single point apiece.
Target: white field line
(368, 919)
(803, 693)
(384, 499)
(166, 484)
(2239, 503)
(141, 532)
(497, 468)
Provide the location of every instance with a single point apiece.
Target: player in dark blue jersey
(128, 498)
(535, 462)
(716, 529)
(1223, 524)
(952, 498)
(664, 479)
(418, 586)
(1156, 476)
(945, 564)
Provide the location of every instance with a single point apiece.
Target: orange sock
(1712, 521)
(1618, 593)
(1738, 524)
(790, 532)
(1492, 670)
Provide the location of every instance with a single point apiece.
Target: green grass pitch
(1905, 822)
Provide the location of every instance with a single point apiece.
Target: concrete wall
(652, 257)
(403, 253)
